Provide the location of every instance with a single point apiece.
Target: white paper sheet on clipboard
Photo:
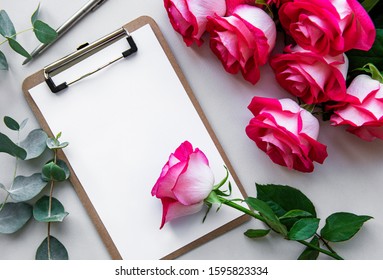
(122, 124)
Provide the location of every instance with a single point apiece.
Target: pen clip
(98, 5)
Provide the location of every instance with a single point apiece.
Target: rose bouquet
(329, 66)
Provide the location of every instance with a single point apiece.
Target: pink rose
(286, 133)
(232, 4)
(243, 41)
(185, 181)
(311, 77)
(328, 26)
(362, 110)
(188, 17)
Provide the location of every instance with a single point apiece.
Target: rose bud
(243, 40)
(286, 132)
(188, 17)
(362, 110)
(311, 77)
(328, 26)
(185, 181)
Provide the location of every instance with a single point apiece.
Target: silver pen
(88, 7)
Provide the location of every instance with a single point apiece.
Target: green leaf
(358, 58)
(56, 251)
(303, 229)
(44, 33)
(369, 4)
(23, 123)
(256, 233)
(3, 62)
(264, 209)
(284, 198)
(53, 172)
(295, 214)
(14, 216)
(342, 226)
(11, 123)
(7, 146)
(35, 14)
(26, 188)
(42, 214)
(54, 144)
(17, 47)
(7, 28)
(309, 253)
(35, 143)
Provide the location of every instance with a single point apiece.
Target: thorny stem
(234, 205)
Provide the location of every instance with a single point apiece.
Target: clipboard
(127, 119)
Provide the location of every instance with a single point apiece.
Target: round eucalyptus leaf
(64, 167)
(14, 216)
(56, 250)
(42, 214)
(53, 143)
(11, 123)
(26, 188)
(53, 172)
(35, 143)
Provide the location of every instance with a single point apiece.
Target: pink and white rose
(362, 110)
(189, 17)
(311, 77)
(243, 40)
(185, 181)
(328, 26)
(286, 133)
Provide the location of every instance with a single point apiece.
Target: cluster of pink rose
(312, 68)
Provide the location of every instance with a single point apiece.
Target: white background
(349, 180)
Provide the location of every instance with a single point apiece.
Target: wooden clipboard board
(40, 77)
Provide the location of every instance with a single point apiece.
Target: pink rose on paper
(362, 110)
(188, 17)
(286, 133)
(328, 26)
(243, 40)
(185, 181)
(311, 77)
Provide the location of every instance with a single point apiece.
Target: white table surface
(350, 180)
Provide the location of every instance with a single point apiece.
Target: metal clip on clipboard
(84, 52)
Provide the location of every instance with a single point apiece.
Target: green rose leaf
(309, 253)
(256, 233)
(11, 123)
(7, 29)
(284, 198)
(44, 33)
(265, 210)
(358, 58)
(7, 146)
(295, 214)
(369, 4)
(26, 188)
(303, 229)
(42, 214)
(17, 47)
(53, 172)
(56, 251)
(35, 143)
(14, 216)
(3, 62)
(342, 226)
